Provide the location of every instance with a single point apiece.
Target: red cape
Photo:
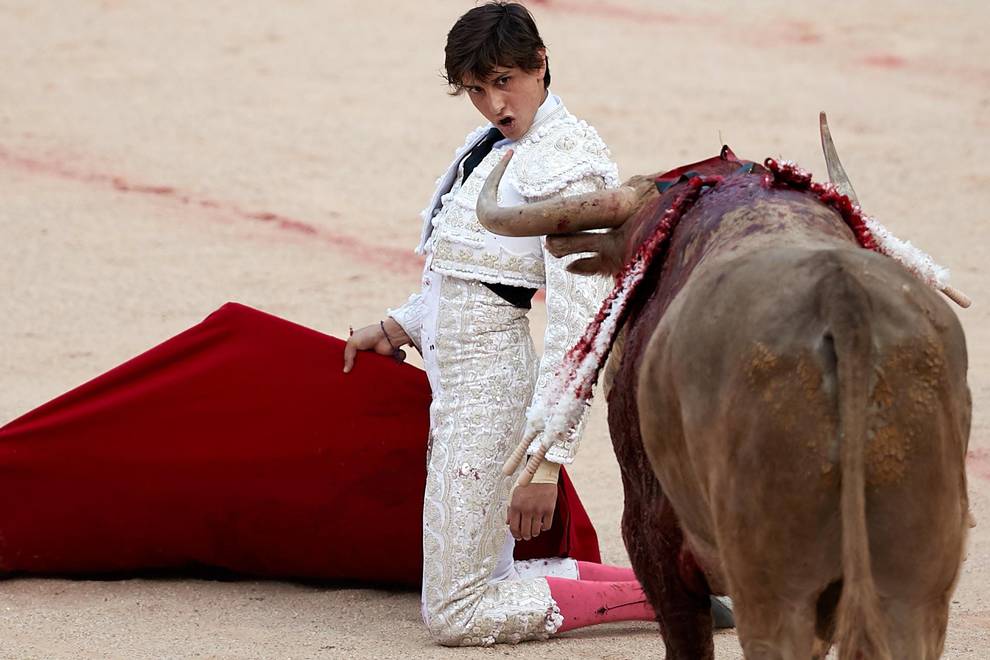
(237, 445)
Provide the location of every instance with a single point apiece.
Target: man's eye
(502, 81)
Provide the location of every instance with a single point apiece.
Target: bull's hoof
(722, 613)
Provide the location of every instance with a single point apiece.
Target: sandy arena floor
(158, 159)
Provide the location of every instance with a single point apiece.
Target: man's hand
(371, 338)
(531, 510)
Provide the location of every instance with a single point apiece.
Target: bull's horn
(836, 174)
(596, 210)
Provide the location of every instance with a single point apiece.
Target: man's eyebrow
(491, 77)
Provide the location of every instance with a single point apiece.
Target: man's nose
(497, 100)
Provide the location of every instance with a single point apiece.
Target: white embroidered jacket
(558, 156)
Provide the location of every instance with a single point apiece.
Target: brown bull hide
(790, 414)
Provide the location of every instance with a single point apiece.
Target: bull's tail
(861, 631)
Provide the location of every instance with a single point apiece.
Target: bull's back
(743, 431)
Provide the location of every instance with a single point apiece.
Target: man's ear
(543, 57)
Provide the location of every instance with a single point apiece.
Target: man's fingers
(518, 525)
(547, 522)
(537, 526)
(526, 527)
(350, 350)
(514, 522)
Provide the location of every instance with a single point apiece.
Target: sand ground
(158, 159)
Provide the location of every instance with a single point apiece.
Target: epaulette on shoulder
(563, 152)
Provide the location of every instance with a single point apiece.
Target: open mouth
(506, 122)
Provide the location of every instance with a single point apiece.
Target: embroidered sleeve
(572, 301)
(410, 316)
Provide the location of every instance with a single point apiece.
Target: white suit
(483, 371)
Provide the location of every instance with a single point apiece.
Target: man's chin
(512, 131)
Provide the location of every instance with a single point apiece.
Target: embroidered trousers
(482, 367)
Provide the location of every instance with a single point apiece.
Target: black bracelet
(396, 353)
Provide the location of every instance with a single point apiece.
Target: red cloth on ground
(237, 445)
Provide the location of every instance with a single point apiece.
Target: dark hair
(492, 35)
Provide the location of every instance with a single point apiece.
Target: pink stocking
(586, 603)
(604, 573)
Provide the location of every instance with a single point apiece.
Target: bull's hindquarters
(748, 413)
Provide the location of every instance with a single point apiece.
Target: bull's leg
(654, 541)
(916, 631)
(651, 530)
(774, 630)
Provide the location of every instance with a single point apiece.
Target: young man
(469, 322)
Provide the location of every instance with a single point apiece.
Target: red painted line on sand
(393, 259)
(799, 32)
(770, 34)
(884, 61)
(404, 262)
(616, 11)
(773, 34)
(978, 462)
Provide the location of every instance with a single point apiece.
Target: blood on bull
(789, 410)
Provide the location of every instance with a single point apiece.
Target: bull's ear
(607, 251)
(562, 245)
(595, 265)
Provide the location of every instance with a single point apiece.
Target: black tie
(516, 295)
(480, 150)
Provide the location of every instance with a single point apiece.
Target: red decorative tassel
(791, 176)
(643, 257)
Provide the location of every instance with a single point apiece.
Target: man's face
(509, 98)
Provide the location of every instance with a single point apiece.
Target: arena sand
(159, 159)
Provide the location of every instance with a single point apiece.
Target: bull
(789, 411)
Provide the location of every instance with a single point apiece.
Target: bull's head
(566, 221)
